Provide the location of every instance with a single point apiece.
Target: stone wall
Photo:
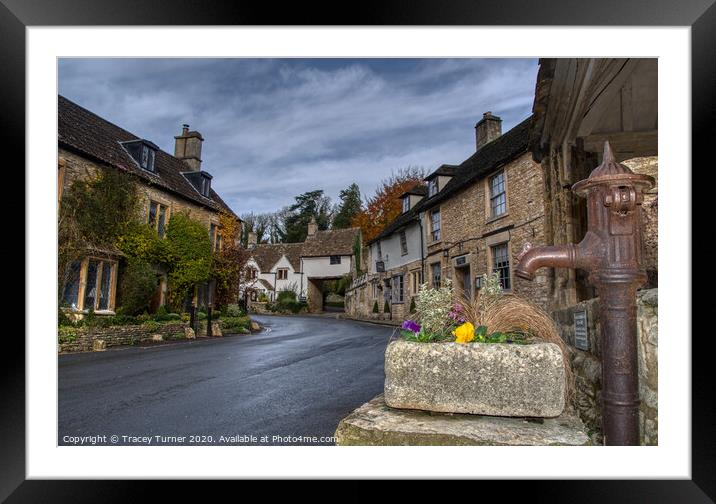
(120, 335)
(468, 229)
(649, 165)
(588, 368)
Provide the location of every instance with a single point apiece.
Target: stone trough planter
(478, 378)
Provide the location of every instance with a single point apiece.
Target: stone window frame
(281, 273)
(82, 285)
(403, 243)
(398, 289)
(167, 214)
(61, 171)
(433, 187)
(496, 241)
(435, 237)
(488, 195)
(415, 281)
(439, 276)
(215, 235)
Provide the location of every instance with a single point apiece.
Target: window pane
(104, 286)
(72, 285)
(152, 214)
(145, 156)
(501, 264)
(91, 285)
(162, 219)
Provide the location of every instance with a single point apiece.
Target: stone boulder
(255, 327)
(157, 337)
(374, 423)
(216, 329)
(189, 333)
(479, 378)
(99, 345)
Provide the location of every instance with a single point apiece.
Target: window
(397, 290)
(335, 259)
(60, 179)
(498, 197)
(406, 204)
(282, 274)
(435, 270)
(432, 187)
(403, 244)
(90, 285)
(501, 263)
(215, 235)
(376, 290)
(416, 279)
(435, 225)
(158, 214)
(252, 274)
(205, 186)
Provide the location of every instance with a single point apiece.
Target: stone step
(375, 423)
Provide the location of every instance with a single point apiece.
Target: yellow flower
(464, 333)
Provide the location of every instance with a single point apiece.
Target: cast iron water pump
(611, 252)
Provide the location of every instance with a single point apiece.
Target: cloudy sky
(276, 128)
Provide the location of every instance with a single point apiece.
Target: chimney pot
(487, 129)
(188, 147)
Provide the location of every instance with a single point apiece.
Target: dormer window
(201, 181)
(406, 204)
(143, 152)
(432, 187)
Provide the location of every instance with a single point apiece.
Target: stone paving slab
(375, 424)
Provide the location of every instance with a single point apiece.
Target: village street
(299, 377)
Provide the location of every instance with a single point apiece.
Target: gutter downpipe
(422, 249)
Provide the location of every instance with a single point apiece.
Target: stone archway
(315, 292)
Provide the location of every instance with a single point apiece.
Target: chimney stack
(489, 128)
(251, 240)
(188, 147)
(312, 227)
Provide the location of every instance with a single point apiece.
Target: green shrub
(286, 295)
(263, 298)
(375, 307)
(137, 286)
(152, 325)
(386, 307)
(235, 324)
(63, 319)
(234, 310)
(201, 315)
(67, 334)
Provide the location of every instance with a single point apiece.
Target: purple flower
(409, 325)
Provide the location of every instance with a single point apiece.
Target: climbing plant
(229, 261)
(189, 255)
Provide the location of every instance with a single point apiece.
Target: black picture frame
(16, 15)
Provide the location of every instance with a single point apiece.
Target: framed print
(278, 232)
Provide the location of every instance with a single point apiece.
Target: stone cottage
(468, 220)
(88, 144)
(302, 267)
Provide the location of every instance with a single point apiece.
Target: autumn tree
(230, 261)
(384, 206)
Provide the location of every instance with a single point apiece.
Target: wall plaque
(581, 332)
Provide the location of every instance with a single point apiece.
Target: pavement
(288, 385)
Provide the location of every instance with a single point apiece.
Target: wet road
(296, 380)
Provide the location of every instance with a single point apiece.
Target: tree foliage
(348, 208)
(311, 204)
(229, 262)
(189, 254)
(137, 285)
(384, 206)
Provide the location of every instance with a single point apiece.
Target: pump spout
(557, 256)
